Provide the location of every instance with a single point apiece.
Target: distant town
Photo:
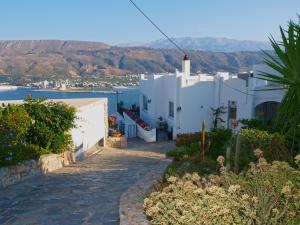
(83, 83)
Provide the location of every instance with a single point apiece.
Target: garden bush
(34, 128)
(220, 139)
(292, 135)
(255, 123)
(180, 153)
(266, 194)
(51, 122)
(14, 126)
(273, 145)
(187, 139)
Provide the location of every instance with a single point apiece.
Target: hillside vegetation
(52, 59)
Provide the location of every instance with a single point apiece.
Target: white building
(45, 84)
(91, 124)
(183, 100)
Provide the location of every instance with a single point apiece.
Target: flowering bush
(34, 128)
(265, 194)
(138, 120)
(186, 201)
(273, 145)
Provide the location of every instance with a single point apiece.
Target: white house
(91, 123)
(183, 100)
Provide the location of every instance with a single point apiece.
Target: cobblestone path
(87, 192)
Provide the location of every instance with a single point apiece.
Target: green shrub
(273, 145)
(14, 125)
(292, 135)
(266, 194)
(190, 164)
(180, 153)
(51, 122)
(187, 139)
(254, 124)
(220, 139)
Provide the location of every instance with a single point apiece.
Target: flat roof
(78, 103)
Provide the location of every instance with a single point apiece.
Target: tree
(286, 61)
(217, 116)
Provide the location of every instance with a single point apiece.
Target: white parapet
(146, 135)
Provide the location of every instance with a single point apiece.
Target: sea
(128, 96)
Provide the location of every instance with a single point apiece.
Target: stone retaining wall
(13, 174)
(47, 163)
(50, 162)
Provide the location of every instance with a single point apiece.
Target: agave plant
(286, 61)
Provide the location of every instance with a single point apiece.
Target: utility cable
(157, 27)
(245, 93)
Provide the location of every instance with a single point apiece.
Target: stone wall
(13, 174)
(50, 162)
(116, 142)
(47, 163)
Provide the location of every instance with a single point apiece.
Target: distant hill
(52, 59)
(207, 44)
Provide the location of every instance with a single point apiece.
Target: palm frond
(286, 61)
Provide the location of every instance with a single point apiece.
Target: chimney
(186, 66)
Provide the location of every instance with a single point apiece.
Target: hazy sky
(117, 21)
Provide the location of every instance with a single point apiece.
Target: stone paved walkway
(87, 192)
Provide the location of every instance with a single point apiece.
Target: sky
(117, 21)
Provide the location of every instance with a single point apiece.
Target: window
(232, 110)
(171, 109)
(145, 103)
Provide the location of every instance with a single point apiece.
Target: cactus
(203, 138)
(237, 152)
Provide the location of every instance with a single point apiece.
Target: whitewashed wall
(243, 97)
(147, 88)
(196, 95)
(258, 85)
(90, 127)
(196, 101)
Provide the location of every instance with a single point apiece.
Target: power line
(245, 93)
(157, 27)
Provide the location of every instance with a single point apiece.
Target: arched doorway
(266, 111)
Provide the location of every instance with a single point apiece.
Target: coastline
(8, 87)
(78, 90)
(112, 90)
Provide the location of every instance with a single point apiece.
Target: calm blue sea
(128, 96)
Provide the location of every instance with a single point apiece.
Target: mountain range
(206, 44)
(53, 59)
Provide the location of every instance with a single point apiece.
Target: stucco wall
(243, 97)
(159, 89)
(196, 101)
(196, 96)
(147, 88)
(91, 126)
